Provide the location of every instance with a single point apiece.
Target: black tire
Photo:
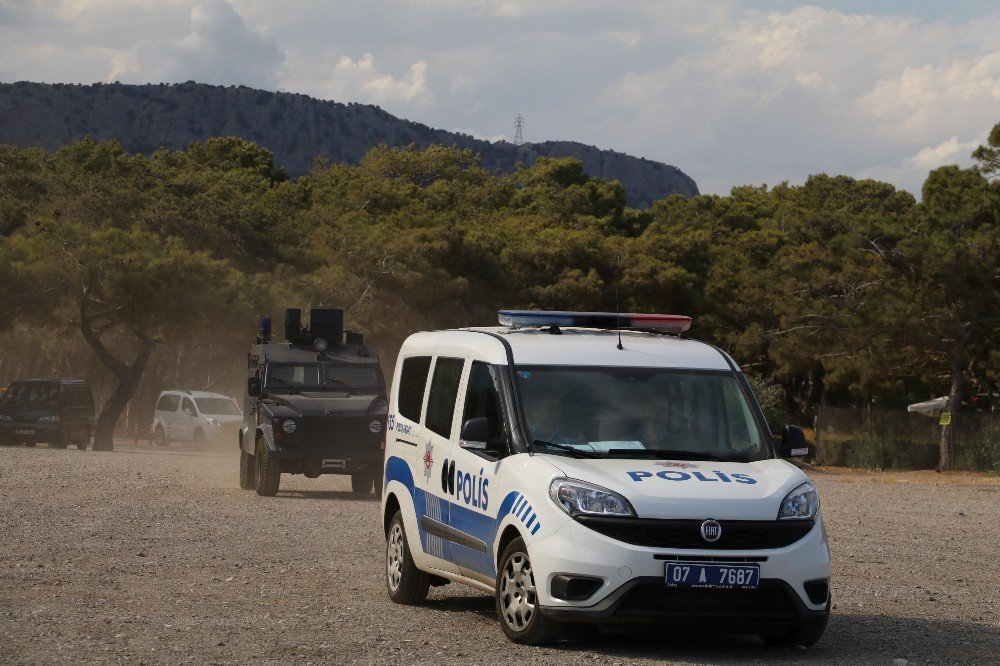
(62, 440)
(248, 471)
(517, 600)
(84, 440)
(362, 483)
(199, 438)
(30, 445)
(160, 436)
(405, 583)
(268, 470)
(806, 634)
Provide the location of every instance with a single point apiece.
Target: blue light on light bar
(602, 320)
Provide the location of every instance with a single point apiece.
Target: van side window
(444, 390)
(482, 398)
(168, 403)
(189, 406)
(412, 380)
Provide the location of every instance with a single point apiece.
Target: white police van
(594, 467)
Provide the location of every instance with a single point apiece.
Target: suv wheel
(62, 440)
(268, 470)
(517, 599)
(160, 436)
(84, 440)
(405, 582)
(248, 470)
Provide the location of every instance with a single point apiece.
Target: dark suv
(56, 411)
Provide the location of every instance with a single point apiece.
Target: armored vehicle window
(444, 390)
(482, 398)
(353, 375)
(168, 403)
(303, 374)
(411, 386)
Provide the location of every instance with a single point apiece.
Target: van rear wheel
(405, 582)
(160, 436)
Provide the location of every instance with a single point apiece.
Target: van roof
(195, 394)
(572, 346)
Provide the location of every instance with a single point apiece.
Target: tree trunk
(947, 460)
(128, 379)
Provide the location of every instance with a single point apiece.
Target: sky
(731, 92)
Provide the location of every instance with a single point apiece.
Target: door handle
(451, 478)
(444, 476)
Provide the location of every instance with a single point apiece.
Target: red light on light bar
(660, 322)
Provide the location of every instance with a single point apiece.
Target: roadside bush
(873, 452)
(980, 455)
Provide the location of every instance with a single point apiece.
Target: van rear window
(412, 380)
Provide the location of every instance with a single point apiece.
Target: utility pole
(518, 127)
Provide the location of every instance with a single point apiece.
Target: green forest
(148, 273)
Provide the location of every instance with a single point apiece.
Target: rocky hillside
(296, 128)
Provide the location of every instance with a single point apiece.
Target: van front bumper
(633, 582)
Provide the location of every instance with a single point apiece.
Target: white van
(195, 416)
(594, 467)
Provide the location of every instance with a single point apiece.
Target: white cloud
(729, 92)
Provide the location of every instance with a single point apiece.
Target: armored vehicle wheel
(405, 582)
(62, 440)
(160, 436)
(517, 599)
(199, 438)
(268, 470)
(248, 471)
(84, 441)
(362, 483)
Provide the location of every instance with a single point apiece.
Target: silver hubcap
(517, 592)
(394, 557)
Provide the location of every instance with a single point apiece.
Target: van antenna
(618, 317)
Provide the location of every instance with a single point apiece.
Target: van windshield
(639, 413)
(218, 406)
(32, 394)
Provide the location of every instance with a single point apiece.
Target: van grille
(770, 601)
(736, 534)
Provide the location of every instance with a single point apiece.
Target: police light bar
(605, 320)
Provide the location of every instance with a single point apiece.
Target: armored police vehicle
(315, 404)
(595, 467)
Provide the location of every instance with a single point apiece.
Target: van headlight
(579, 498)
(803, 502)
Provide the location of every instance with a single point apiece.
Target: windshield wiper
(565, 447)
(663, 453)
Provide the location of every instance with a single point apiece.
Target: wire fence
(890, 439)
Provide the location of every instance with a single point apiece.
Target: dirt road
(158, 557)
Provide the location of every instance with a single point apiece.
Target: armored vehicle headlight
(375, 426)
(289, 426)
(582, 498)
(321, 345)
(800, 503)
(4, 417)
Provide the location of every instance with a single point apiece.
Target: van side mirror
(793, 443)
(253, 387)
(475, 434)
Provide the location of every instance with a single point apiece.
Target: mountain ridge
(295, 127)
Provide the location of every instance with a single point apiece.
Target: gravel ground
(158, 557)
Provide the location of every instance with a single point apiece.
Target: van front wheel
(405, 582)
(517, 599)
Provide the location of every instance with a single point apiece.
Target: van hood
(690, 489)
(328, 403)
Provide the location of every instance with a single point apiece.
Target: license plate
(719, 576)
(23, 431)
